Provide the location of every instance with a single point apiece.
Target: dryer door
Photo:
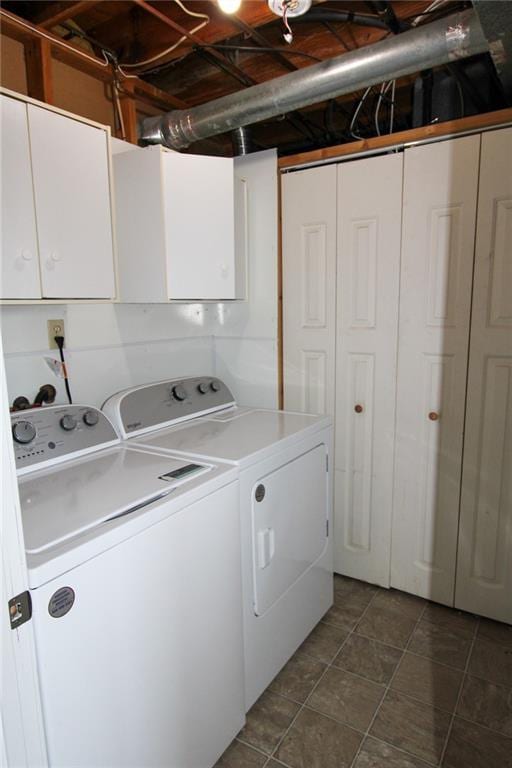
(289, 525)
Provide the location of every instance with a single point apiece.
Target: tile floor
(386, 680)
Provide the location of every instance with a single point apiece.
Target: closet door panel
(369, 224)
(440, 191)
(309, 288)
(484, 570)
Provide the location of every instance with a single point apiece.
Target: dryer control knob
(214, 386)
(23, 432)
(91, 418)
(179, 392)
(68, 423)
(203, 387)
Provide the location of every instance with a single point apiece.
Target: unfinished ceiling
(197, 53)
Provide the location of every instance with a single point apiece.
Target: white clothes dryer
(285, 502)
(134, 574)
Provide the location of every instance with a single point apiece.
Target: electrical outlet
(55, 328)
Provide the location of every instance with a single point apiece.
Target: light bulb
(229, 6)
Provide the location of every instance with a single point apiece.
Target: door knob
(433, 416)
(358, 408)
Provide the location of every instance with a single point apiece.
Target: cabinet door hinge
(326, 462)
(327, 528)
(20, 609)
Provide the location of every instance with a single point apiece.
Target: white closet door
(71, 185)
(309, 288)
(369, 231)
(19, 278)
(484, 571)
(440, 190)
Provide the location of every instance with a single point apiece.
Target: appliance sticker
(61, 602)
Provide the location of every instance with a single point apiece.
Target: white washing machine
(285, 502)
(134, 575)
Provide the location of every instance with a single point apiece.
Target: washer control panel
(42, 435)
(154, 405)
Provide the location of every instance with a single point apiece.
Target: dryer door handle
(266, 547)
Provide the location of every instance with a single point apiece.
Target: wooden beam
(57, 12)
(38, 62)
(128, 112)
(473, 123)
(25, 32)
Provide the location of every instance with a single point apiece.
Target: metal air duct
(440, 42)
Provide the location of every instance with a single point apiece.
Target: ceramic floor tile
(267, 721)
(428, 681)
(345, 614)
(347, 698)
(376, 754)
(491, 661)
(401, 602)
(415, 727)
(495, 631)
(238, 755)
(441, 644)
(315, 741)
(449, 618)
(298, 678)
(324, 642)
(487, 704)
(343, 585)
(471, 746)
(387, 626)
(368, 658)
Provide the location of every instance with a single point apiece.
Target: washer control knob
(23, 432)
(68, 423)
(91, 418)
(214, 386)
(179, 392)
(203, 387)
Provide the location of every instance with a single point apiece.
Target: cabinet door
(200, 226)
(19, 277)
(309, 289)
(440, 189)
(484, 570)
(368, 274)
(72, 193)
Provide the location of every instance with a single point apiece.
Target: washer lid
(237, 435)
(60, 503)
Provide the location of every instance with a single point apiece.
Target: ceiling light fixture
(229, 6)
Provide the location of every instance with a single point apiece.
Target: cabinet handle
(26, 255)
(433, 416)
(54, 256)
(358, 408)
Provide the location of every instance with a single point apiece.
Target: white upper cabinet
(19, 259)
(56, 206)
(175, 218)
(72, 195)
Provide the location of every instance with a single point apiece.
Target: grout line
(327, 667)
(388, 687)
(462, 682)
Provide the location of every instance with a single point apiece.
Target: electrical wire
(356, 113)
(258, 49)
(172, 47)
(59, 340)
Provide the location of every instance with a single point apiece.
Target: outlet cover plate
(55, 328)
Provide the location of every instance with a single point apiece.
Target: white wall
(110, 347)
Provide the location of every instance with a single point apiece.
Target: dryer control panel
(151, 406)
(43, 436)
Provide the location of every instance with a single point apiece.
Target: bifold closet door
(440, 192)
(309, 288)
(368, 274)
(484, 570)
